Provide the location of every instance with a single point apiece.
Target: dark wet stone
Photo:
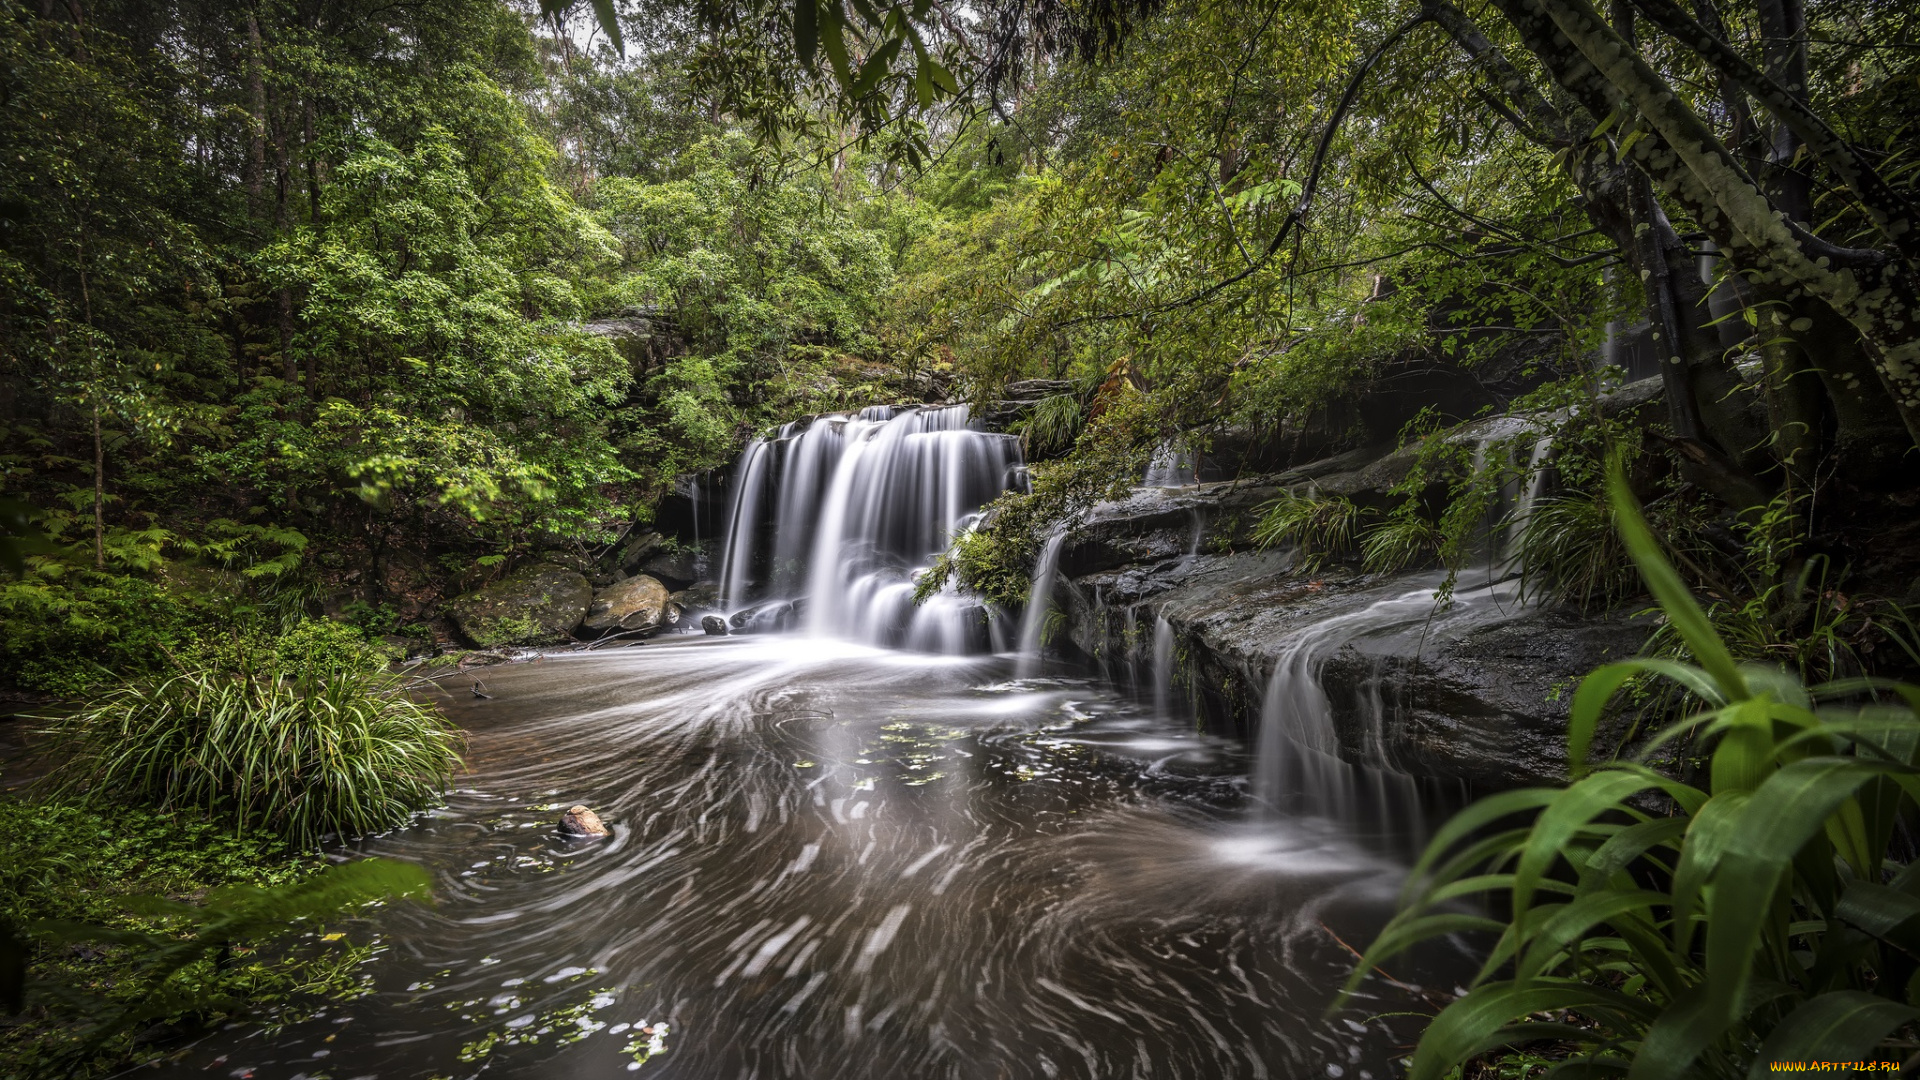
(714, 625)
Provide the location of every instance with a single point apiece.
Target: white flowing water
(1303, 764)
(1171, 466)
(1039, 603)
(743, 524)
(1162, 665)
(834, 862)
(831, 861)
(831, 522)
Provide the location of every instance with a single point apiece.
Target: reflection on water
(833, 861)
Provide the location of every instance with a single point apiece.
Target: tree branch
(1889, 211)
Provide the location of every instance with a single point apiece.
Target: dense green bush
(68, 636)
(330, 751)
(1661, 929)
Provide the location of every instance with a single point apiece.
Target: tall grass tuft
(1320, 526)
(340, 751)
(1661, 928)
(1055, 422)
(1570, 552)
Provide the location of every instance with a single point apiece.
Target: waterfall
(743, 523)
(1162, 665)
(1507, 524)
(1532, 482)
(834, 518)
(1298, 766)
(1171, 466)
(1039, 602)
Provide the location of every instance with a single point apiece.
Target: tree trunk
(99, 489)
(1879, 294)
(256, 177)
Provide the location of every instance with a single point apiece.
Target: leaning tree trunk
(1878, 293)
(1722, 450)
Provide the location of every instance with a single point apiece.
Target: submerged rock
(638, 603)
(769, 617)
(582, 821)
(537, 605)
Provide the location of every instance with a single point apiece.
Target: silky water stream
(835, 859)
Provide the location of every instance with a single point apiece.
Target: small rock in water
(715, 625)
(581, 821)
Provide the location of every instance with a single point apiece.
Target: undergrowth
(145, 927)
(1649, 927)
(327, 750)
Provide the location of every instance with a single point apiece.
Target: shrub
(337, 751)
(1757, 919)
(1570, 552)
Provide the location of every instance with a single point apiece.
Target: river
(830, 860)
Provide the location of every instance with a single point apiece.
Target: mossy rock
(536, 605)
(638, 603)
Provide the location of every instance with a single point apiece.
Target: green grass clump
(1666, 927)
(1319, 526)
(338, 751)
(1570, 552)
(1054, 422)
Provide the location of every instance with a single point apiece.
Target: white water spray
(838, 516)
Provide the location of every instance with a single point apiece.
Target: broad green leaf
(1477, 1022)
(1883, 911)
(1630, 843)
(1590, 700)
(1562, 818)
(1561, 929)
(1845, 1025)
(875, 68)
(806, 31)
(943, 79)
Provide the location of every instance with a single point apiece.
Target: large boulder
(536, 605)
(638, 603)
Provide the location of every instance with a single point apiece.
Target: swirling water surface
(833, 861)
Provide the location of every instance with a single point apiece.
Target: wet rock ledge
(1477, 693)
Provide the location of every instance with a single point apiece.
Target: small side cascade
(1162, 665)
(1171, 466)
(1301, 765)
(1039, 603)
(1517, 496)
(1533, 481)
(833, 518)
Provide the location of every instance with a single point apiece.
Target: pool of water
(835, 861)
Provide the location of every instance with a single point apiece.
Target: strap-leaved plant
(1756, 919)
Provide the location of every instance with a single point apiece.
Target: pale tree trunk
(1720, 449)
(1877, 293)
